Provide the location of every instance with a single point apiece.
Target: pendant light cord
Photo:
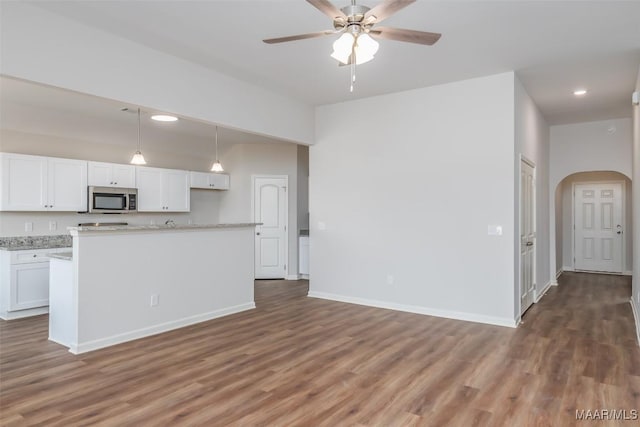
(138, 129)
(216, 143)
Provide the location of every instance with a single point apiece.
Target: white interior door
(527, 235)
(598, 227)
(270, 208)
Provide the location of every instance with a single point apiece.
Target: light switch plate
(322, 225)
(53, 226)
(28, 226)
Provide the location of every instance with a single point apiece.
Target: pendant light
(217, 166)
(138, 158)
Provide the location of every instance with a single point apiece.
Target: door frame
(623, 253)
(286, 217)
(532, 164)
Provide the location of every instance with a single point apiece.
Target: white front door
(270, 208)
(527, 235)
(598, 227)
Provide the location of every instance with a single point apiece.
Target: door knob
(258, 233)
(529, 243)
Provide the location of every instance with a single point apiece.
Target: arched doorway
(569, 252)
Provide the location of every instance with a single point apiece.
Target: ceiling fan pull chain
(353, 75)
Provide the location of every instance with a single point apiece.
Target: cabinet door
(99, 174)
(200, 180)
(29, 286)
(219, 181)
(150, 190)
(177, 193)
(24, 182)
(124, 176)
(67, 187)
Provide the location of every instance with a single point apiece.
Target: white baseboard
(20, 314)
(566, 268)
(636, 317)
(537, 296)
(157, 329)
(558, 274)
(304, 276)
(457, 315)
(292, 277)
(627, 273)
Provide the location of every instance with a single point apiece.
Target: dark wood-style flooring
(298, 361)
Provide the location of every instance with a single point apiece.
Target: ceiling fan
(357, 23)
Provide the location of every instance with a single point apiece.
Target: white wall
(41, 46)
(244, 160)
(532, 143)
(636, 207)
(557, 215)
(197, 274)
(303, 187)
(584, 147)
(566, 234)
(405, 185)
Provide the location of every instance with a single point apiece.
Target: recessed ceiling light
(580, 92)
(163, 118)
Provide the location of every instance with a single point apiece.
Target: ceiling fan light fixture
(366, 46)
(343, 47)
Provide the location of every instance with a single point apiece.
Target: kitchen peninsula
(126, 282)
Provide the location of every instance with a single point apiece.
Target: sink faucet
(170, 223)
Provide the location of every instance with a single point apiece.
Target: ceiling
(45, 110)
(554, 46)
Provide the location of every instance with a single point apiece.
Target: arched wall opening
(564, 220)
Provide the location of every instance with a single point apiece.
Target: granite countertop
(164, 227)
(67, 256)
(25, 243)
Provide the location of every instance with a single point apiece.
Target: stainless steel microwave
(112, 200)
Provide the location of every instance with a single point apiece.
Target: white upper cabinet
(210, 181)
(36, 183)
(162, 190)
(67, 185)
(111, 175)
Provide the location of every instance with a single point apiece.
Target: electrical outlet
(155, 300)
(28, 226)
(53, 226)
(390, 279)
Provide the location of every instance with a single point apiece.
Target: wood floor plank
(298, 361)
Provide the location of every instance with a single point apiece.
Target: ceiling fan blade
(327, 8)
(411, 36)
(298, 37)
(386, 9)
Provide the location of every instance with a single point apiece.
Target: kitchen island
(126, 282)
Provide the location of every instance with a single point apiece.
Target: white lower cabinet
(24, 282)
(29, 286)
(303, 256)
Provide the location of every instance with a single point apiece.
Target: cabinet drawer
(37, 255)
